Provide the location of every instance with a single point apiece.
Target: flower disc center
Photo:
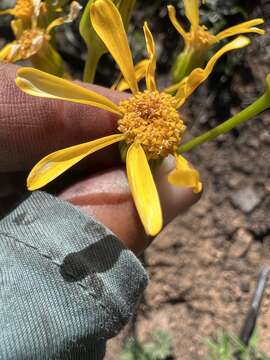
(151, 119)
(200, 38)
(24, 9)
(30, 42)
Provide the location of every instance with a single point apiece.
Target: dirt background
(203, 267)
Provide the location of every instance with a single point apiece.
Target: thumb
(107, 197)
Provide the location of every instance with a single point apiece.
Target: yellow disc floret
(150, 118)
(30, 42)
(24, 9)
(200, 38)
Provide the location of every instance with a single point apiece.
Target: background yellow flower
(33, 36)
(198, 40)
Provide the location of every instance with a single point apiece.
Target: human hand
(32, 127)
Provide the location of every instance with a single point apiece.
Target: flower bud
(186, 61)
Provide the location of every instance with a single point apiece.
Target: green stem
(187, 61)
(252, 110)
(90, 66)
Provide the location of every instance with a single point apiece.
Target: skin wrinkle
(112, 189)
(31, 110)
(116, 178)
(68, 114)
(99, 199)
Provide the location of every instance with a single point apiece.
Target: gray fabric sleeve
(66, 282)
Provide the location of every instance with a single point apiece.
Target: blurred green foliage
(158, 349)
(225, 347)
(228, 347)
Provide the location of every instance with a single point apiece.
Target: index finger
(32, 127)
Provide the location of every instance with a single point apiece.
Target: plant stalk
(90, 66)
(251, 111)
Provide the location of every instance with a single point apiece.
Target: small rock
(254, 142)
(168, 240)
(265, 136)
(242, 242)
(267, 186)
(254, 255)
(234, 180)
(246, 199)
(245, 286)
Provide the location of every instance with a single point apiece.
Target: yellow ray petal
(198, 75)
(184, 175)
(38, 83)
(39, 7)
(7, 12)
(108, 24)
(143, 189)
(245, 27)
(7, 52)
(173, 88)
(140, 73)
(151, 68)
(192, 12)
(54, 164)
(17, 28)
(175, 22)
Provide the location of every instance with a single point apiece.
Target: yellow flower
(33, 41)
(149, 125)
(24, 9)
(198, 39)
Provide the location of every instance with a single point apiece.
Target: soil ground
(204, 266)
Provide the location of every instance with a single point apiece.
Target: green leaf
(158, 349)
(132, 350)
(228, 347)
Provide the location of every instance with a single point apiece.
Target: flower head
(151, 119)
(149, 125)
(198, 40)
(33, 39)
(24, 9)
